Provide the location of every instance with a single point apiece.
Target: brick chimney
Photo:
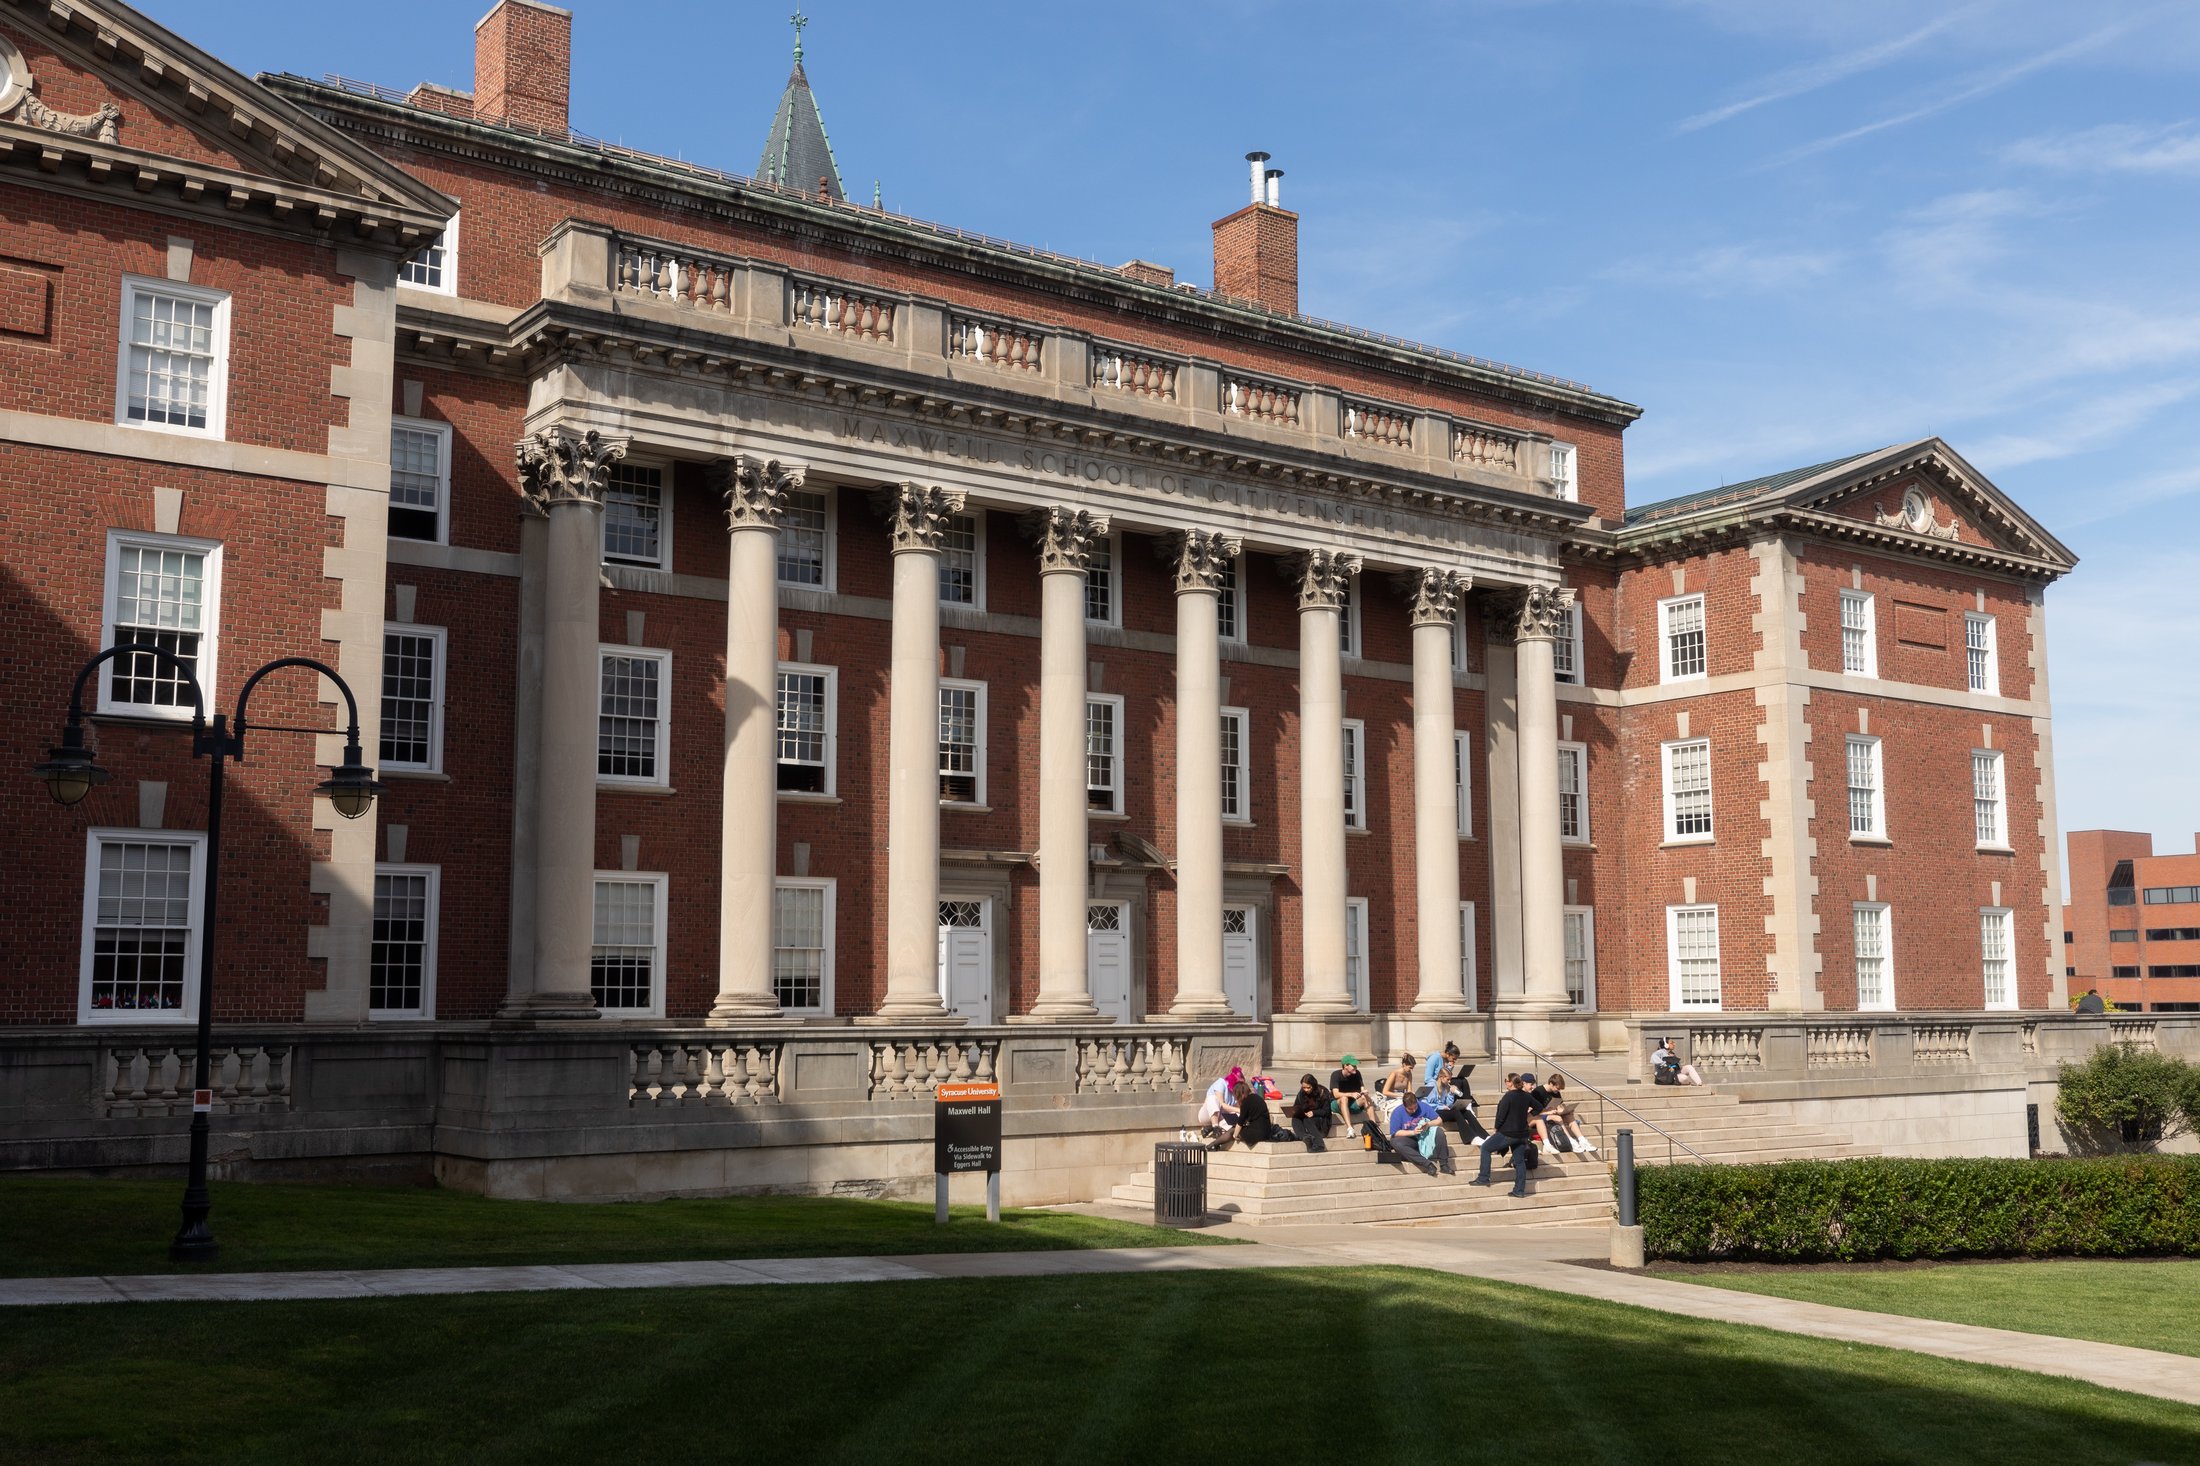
(523, 65)
(1257, 248)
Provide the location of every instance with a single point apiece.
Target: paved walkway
(1537, 1257)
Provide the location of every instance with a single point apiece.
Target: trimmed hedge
(1893, 1207)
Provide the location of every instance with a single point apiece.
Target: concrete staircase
(1287, 1184)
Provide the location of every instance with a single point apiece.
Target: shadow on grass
(61, 1227)
(1360, 1365)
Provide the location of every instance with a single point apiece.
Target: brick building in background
(815, 674)
(2132, 927)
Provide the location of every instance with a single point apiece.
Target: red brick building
(266, 348)
(2132, 928)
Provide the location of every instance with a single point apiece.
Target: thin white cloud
(2113, 148)
(2082, 426)
(1729, 268)
(1795, 81)
(1992, 81)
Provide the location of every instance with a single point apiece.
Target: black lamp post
(70, 773)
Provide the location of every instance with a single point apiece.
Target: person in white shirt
(1218, 1113)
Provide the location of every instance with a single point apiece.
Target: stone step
(1377, 1185)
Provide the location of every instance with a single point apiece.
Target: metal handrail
(1671, 1141)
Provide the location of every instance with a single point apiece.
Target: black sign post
(966, 1136)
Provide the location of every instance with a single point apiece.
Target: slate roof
(1770, 483)
(796, 152)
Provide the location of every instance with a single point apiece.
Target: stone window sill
(1880, 840)
(647, 791)
(1996, 850)
(420, 776)
(1700, 842)
(802, 796)
(1109, 815)
(957, 804)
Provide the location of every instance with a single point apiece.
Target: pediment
(99, 85)
(1927, 492)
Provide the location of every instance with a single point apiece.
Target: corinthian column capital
(918, 515)
(560, 466)
(1325, 579)
(1203, 560)
(1068, 538)
(1540, 614)
(755, 489)
(1436, 595)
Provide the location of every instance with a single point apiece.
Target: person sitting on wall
(1218, 1113)
(1509, 1138)
(1349, 1097)
(1416, 1136)
(2091, 1003)
(1255, 1125)
(1667, 1068)
(1310, 1114)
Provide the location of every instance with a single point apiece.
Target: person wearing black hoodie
(1255, 1126)
(1508, 1136)
(1309, 1112)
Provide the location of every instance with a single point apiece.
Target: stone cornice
(864, 233)
(1664, 539)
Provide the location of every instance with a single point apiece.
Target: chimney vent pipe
(1256, 160)
(1275, 188)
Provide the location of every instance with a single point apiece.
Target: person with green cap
(1348, 1094)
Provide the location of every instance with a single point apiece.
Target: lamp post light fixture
(70, 773)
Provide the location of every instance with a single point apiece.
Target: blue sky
(1788, 231)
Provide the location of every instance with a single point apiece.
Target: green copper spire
(797, 153)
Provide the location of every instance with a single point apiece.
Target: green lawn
(2148, 1305)
(59, 1227)
(1255, 1367)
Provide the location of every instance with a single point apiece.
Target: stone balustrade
(2139, 1033)
(1009, 347)
(1837, 1046)
(1131, 1065)
(155, 1079)
(914, 1068)
(1391, 427)
(1941, 1043)
(1485, 447)
(1726, 1050)
(703, 1073)
(676, 275)
(844, 310)
(1120, 369)
(1273, 403)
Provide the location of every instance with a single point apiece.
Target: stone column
(1436, 594)
(1203, 566)
(1325, 580)
(919, 516)
(1540, 621)
(756, 492)
(563, 475)
(1067, 539)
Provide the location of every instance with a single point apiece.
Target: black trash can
(1179, 1184)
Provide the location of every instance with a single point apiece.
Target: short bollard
(1627, 1249)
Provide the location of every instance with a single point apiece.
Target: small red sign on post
(202, 1102)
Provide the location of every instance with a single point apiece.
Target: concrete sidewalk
(1535, 1257)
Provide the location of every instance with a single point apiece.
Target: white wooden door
(1108, 958)
(966, 958)
(1240, 962)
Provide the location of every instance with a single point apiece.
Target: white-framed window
(1874, 957)
(807, 737)
(1348, 618)
(1563, 472)
(1681, 636)
(1988, 813)
(1355, 774)
(173, 371)
(626, 958)
(1230, 604)
(962, 741)
(637, 516)
(1688, 790)
(1103, 598)
(1237, 780)
(412, 698)
(1355, 951)
(1573, 793)
(962, 560)
(1980, 653)
(633, 716)
(420, 480)
(802, 944)
(1566, 650)
(434, 266)
(1859, 634)
(1466, 952)
(401, 960)
(1458, 646)
(162, 592)
(144, 894)
(1692, 956)
(1462, 782)
(1580, 931)
(1104, 753)
(1997, 956)
(1867, 789)
(806, 540)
